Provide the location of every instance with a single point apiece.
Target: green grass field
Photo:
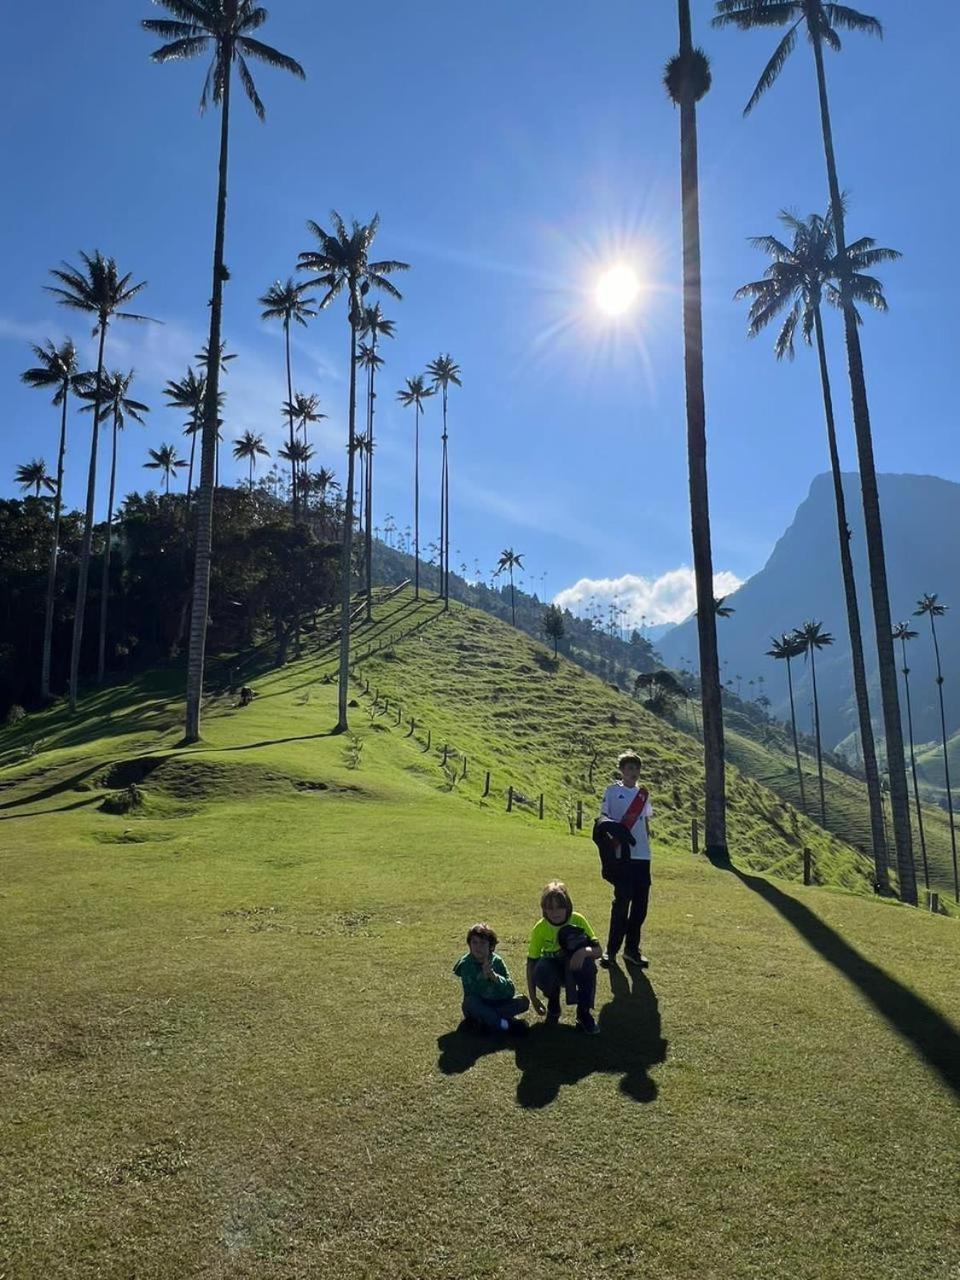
(229, 1042)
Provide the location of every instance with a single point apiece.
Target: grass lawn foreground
(228, 1043)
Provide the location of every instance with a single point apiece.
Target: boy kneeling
(489, 997)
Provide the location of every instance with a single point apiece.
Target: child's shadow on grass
(550, 1057)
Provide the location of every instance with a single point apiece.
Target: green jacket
(470, 973)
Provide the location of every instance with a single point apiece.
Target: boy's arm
(498, 982)
(535, 1000)
(604, 814)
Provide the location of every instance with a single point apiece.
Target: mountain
(801, 580)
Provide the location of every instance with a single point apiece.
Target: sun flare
(617, 289)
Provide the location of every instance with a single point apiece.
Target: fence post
(427, 747)
(541, 806)
(579, 815)
(464, 773)
(933, 901)
(399, 714)
(486, 785)
(510, 798)
(695, 836)
(412, 727)
(806, 865)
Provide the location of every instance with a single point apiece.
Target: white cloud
(669, 598)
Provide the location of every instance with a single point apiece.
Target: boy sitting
(489, 997)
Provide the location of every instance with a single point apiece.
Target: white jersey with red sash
(630, 806)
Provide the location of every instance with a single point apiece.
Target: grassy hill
(230, 1050)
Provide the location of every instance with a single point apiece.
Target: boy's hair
(556, 891)
(628, 757)
(482, 930)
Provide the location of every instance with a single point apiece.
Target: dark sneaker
(637, 958)
(553, 1012)
(606, 960)
(587, 1024)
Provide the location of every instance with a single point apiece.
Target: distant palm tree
(930, 607)
(687, 80)
(56, 371)
(811, 637)
(364, 447)
(98, 289)
(801, 276)
(321, 483)
(785, 648)
(722, 610)
(298, 456)
(822, 21)
(118, 406)
(226, 27)
(33, 475)
(251, 447)
(203, 358)
(903, 633)
(343, 264)
(510, 559)
(304, 411)
(374, 325)
(189, 393)
(287, 301)
(165, 459)
(443, 371)
(415, 392)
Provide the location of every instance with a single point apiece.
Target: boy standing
(628, 804)
(489, 997)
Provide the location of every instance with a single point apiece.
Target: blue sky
(512, 152)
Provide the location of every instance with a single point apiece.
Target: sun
(616, 290)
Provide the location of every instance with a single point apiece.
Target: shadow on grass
(629, 1044)
(935, 1039)
(63, 808)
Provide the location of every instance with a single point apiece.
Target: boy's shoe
(587, 1024)
(637, 958)
(553, 1012)
(606, 960)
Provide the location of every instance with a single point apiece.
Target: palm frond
(172, 30)
(190, 47)
(191, 11)
(251, 19)
(272, 57)
(773, 67)
(246, 79)
(746, 14)
(839, 15)
(784, 344)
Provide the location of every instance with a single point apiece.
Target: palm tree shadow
(629, 1044)
(935, 1039)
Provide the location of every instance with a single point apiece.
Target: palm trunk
(444, 513)
(868, 748)
(714, 772)
(81, 602)
(796, 745)
(416, 504)
(193, 449)
(513, 608)
(913, 767)
(105, 581)
(368, 530)
(251, 475)
(293, 466)
(899, 798)
(208, 450)
(54, 555)
(946, 762)
(344, 684)
(816, 731)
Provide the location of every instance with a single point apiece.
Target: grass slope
(228, 1044)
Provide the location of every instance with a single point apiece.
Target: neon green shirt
(543, 940)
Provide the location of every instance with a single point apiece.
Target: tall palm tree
(165, 459)
(304, 411)
(364, 453)
(33, 475)
(510, 559)
(903, 633)
(811, 637)
(374, 325)
(189, 393)
(929, 606)
(801, 276)
(687, 79)
(251, 447)
(118, 406)
(203, 359)
(343, 264)
(99, 289)
(56, 370)
(298, 455)
(286, 301)
(784, 648)
(821, 22)
(223, 27)
(444, 371)
(414, 393)
(321, 483)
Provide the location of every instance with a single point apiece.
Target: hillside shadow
(934, 1039)
(548, 1058)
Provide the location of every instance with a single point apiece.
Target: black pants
(631, 893)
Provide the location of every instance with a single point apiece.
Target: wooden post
(579, 815)
(510, 798)
(541, 806)
(807, 865)
(695, 836)
(443, 763)
(427, 747)
(486, 785)
(412, 727)
(933, 901)
(464, 774)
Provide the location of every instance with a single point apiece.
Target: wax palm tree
(118, 406)
(903, 633)
(810, 638)
(321, 482)
(189, 393)
(288, 301)
(722, 610)
(203, 358)
(33, 475)
(223, 27)
(414, 393)
(364, 447)
(822, 21)
(444, 371)
(929, 606)
(374, 325)
(165, 459)
(251, 447)
(783, 649)
(305, 411)
(510, 560)
(98, 289)
(57, 370)
(802, 275)
(687, 79)
(297, 455)
(343, 264)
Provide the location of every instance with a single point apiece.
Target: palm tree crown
(443, 371)
(33, 475)
(822, 20)
(57, 369)
(97, 287)
(286, 301)
(304, 409)
(165, 459)
(114, 401)
(415, 392)
(342, 262)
